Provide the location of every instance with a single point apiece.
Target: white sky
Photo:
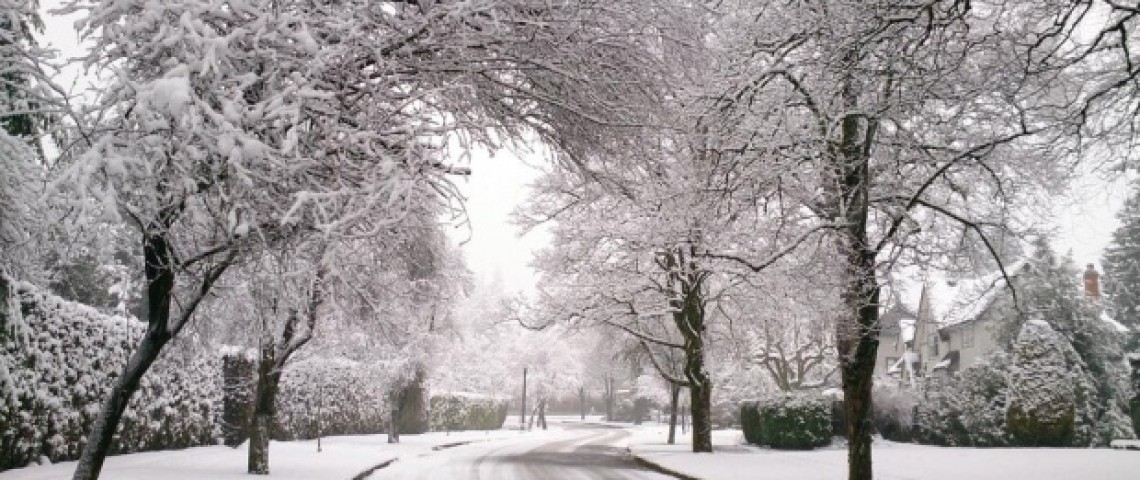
(496, 252)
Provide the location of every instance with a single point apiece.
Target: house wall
(891, 349)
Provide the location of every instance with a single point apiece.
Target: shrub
(893, 411)
(795, 421)
(466, 411)
(65, 357)
(345, 396)
(750, 422)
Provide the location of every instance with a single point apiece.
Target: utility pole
(320, 403)
(522, 414)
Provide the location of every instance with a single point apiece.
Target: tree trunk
(701, 405)
(159, 270)
(857, 335)
(609, 399)
(674, 399)
(542, 413)
(103, 431)
(858, 344)
(582, 400)
(264, 409)
(393, 427)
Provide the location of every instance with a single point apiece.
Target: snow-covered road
(579, 452)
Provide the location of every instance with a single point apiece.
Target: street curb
(363, 475)
(453, 445)
(658, 467)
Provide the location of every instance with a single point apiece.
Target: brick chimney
(1092, 282)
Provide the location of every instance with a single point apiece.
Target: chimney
(1092, 283)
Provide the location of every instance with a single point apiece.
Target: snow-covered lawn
(893, 461)
(341, 458)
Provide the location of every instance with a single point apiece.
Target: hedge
(750, 422)
(466, 411)
(348, 398)
(58, 360)
(788, 420)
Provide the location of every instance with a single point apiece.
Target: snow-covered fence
(466, 411)
(58, 360)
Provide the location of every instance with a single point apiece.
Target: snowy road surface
(580, 452)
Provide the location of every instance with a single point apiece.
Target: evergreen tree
(1043, 409)
(22, 96)
(1122, 264)
(1049, 288)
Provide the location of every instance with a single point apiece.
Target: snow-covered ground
(892, 461)
(341, 458)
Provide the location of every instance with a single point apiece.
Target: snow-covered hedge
(892, 410)
(58, 359)
(466, 411)
(789, 420)
(967, 409)
(346, 397)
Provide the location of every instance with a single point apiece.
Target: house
(944, 325)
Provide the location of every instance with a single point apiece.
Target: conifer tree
(1122, 264)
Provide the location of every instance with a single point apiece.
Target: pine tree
(1044, 389)
(1122, 263)
(22, 96)
(1049, 288)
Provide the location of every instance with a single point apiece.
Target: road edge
(366, 473)
(657, 467)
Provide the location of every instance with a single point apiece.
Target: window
(968, 335)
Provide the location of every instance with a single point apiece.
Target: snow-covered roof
(953, 300)
(1119, 327)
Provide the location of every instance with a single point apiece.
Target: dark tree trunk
(858, 367)
(103, 431)
(857, 336)
(674, 401)
(542, 413)
(690, 319)
(159, 270)
(264, 409)
(582, 400)
(700, 393)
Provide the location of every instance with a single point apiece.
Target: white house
(945, 325)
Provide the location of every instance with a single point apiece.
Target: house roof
(953, 300)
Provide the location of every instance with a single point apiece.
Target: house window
(968, 335)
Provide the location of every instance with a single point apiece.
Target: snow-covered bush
(466, 411)
(794, 420)
(1044, 390)
(346, 398)
(967, 409)
(893, 408)
(238, 370)
(58, 360)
